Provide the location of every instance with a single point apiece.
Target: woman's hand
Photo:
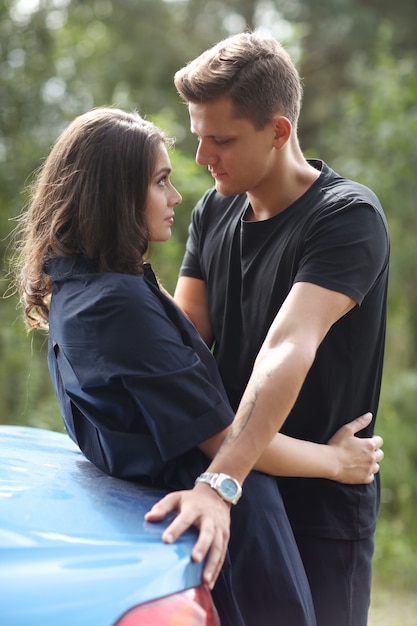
(357, 459)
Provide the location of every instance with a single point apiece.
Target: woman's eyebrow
(163, 170)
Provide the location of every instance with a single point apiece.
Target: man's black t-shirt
(334, 236)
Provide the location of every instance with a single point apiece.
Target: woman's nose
(176, 197)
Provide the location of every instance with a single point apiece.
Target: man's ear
(282, 131)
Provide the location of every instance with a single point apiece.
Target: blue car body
(74, 547)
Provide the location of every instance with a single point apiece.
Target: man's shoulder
(348, 188)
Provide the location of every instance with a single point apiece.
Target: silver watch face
(228, 488)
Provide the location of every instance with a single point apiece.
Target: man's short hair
(254, 71)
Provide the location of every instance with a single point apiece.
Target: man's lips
(217, 174)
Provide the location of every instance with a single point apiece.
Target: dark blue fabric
(138, 391)
(265, 559)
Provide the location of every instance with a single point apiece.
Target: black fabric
(334, 236)
(340, 574)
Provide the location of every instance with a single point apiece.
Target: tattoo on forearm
(247, 405)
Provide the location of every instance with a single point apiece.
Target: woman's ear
(282, 131)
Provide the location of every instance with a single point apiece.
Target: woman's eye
(163, 181)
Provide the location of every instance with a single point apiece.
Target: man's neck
(288, 185)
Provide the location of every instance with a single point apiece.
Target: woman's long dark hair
(88, 198)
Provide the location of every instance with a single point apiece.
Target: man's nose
(204, 155)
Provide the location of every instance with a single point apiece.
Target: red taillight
(193, 607)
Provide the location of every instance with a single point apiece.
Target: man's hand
(203, 508)
(358, 458)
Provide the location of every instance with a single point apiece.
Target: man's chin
(225, 190)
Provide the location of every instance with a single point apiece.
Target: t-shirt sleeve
(345, 250)
(191, 265)
(149, 348)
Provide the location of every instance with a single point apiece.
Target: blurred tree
(334, 35)
(26, 63)
(59, 58)
(377, 131)
(374, 145)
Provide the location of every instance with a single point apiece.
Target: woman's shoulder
(78, 287)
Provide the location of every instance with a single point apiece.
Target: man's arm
(303, 321)
(279, 371)
(346, 459)
(191, 296)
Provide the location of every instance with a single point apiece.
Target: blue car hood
(74, 547)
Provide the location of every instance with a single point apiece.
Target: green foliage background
(358, 61)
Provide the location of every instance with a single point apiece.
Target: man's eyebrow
(212, 136)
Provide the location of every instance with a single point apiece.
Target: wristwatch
(227, 487)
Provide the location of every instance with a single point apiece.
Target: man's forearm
(271, 392)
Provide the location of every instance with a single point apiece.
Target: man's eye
(221, 142)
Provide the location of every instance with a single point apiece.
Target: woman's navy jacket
(137, 387)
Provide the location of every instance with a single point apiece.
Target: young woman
(138, 389)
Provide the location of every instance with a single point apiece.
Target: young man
(285, 274)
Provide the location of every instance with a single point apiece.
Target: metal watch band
(227, 487)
